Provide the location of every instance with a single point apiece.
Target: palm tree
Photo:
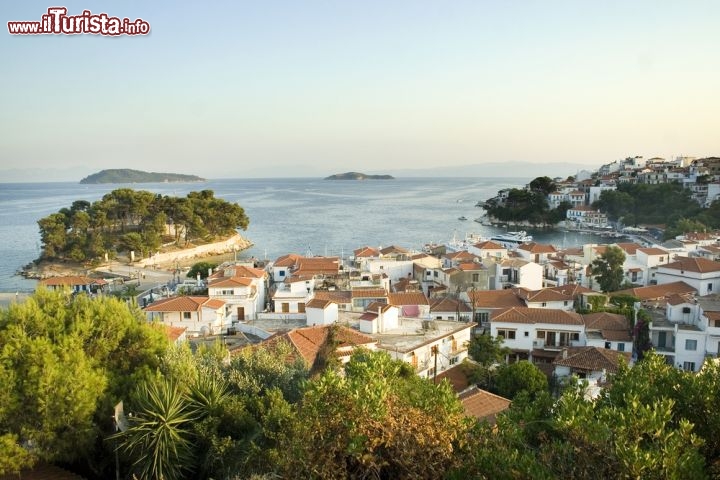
(159, 439)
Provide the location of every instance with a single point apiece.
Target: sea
(307, 216)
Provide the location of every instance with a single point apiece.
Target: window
(565, 303)
(709, 287)
(690, 344)
(186, 315)
(527, 334)
(506, 334)
(575, 336)
(608, 344)
(689, 366)
(476, 277)
(435, 273)
(482, 317)
(686, 310)
(281, 273)
(544, 304)
(621, 347)
(453, 360)
(541, 334)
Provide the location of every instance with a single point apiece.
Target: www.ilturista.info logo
(58, 22)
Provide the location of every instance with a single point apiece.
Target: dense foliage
(126, 175)
(667, 204)
(529, 205)
(65, 361)
(127, 220)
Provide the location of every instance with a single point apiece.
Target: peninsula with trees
(142, 222)
(126, 175)
(358, 176)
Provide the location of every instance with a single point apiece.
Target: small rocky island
(358, 176)
(125, 175)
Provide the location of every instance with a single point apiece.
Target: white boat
(512, 239)
(456, 245)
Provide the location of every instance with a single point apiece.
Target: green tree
(487, 350)
(201, 268)
(544, 185)
(511, 379)
(608, 269)
(379, 420)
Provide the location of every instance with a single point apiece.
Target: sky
(231, 89)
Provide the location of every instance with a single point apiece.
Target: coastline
(167, 260)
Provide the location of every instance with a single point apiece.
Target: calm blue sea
(303, 216)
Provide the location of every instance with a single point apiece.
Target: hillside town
(423, 307)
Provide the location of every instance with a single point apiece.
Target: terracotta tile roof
(679, 299)
(572, 251)
(534, 247)
(592, 359)
(461, 255)
(173, 333)
(600, 249)
(553, 294)
(369, 293)
(407, 298)
(336, 296)
(612, 326)
(653, 251)
(537, 315)
(629, 247)
(71, 281)
(483, 405)
(489, 245)
(711, 248)
(375, 307)
(470, 267)
(514, 262)
(495, 299)
(318, 303)
(184, 304)
(693, 264)
(365, 252)
(655, 292)
(712, 315)
(308, 341)
(456, 376)
(230, 282)
(447, 304)
(288, 260)
(318, 266)
(393, 249)
(406, 285)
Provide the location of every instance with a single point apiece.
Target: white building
(700, 273)
(199, 315)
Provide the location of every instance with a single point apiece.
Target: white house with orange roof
(582, 216)
(487, 249)
(379, 317)
(565, 297)
(282, 266)
(362, 297)
(74, 283)
(321, 312)
(700, 273)
(516, 272)
(242, 288)
(486, 302)
(536, 252)
(199, 315)
(293, 294)
(453, 259)
(410, 303)
(450, 309)
(362, 255)
(608, 330)
(530, 331)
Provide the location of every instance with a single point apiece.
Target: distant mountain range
(497, 169)
(126, 175)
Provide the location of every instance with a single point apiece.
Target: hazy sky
(263, 88)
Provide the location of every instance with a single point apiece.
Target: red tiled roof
(407, 298)
(629, 247)
(534, 247)
(456, 376)
(489, 245)
(318, 303)
(184, 304)
(288, 260)
(173, 333)
(230, 282)
(369, 293)
(592, 359)
(553, 294)
(653, 251)
(392, 249)
(336, 296)
(537, 315)
(483, 405)
(655, 292)
(495, 299)
(71, 281)
(365, 252)
(447, 304)
(693, 264)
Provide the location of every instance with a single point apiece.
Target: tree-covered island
(126, 175)
(126, 220)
